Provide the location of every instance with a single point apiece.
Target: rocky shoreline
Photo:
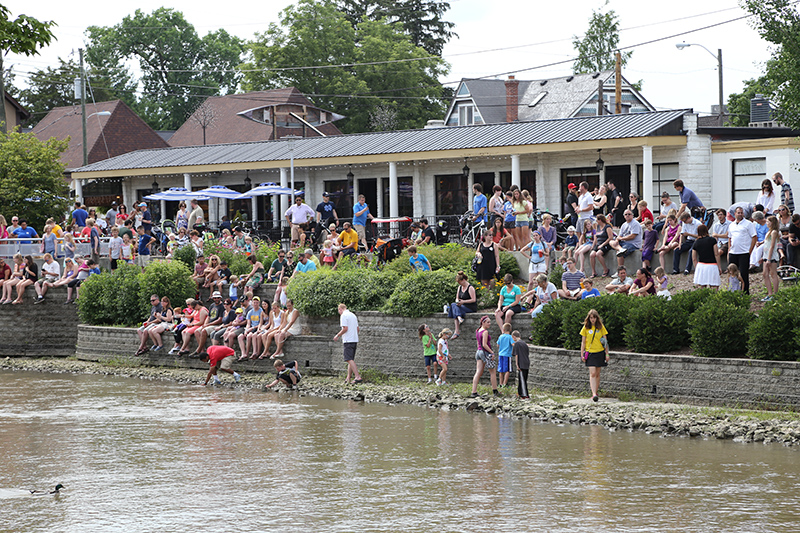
(652, 418)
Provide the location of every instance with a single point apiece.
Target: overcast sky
(494, 38)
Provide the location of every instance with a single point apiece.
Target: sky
(530, 38)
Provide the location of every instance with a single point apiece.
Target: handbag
(585, 356)
(474, 266)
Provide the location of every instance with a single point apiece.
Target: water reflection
(149, 456)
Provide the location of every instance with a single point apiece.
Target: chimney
(512, 99)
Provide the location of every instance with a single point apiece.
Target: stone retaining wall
(390, 345)
(45, 330)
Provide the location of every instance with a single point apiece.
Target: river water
(151, 456)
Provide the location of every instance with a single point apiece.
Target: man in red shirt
(219, 358)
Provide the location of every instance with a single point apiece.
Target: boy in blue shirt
(589, 291)
(570, 242)
(418, 261)
(505, 343)
(143, 255)
(479, 203)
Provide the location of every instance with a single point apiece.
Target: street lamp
(465, 170)
(718, 57)
(291, 139)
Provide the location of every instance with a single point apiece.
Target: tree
(739, 103)
(204, 116)
(421, 20)
(177, 65)
(24, 35)
(32, 182)
(347, 70)
(596, 50)
(778, 22)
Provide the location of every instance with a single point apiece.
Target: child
(177, 328)
(594, 349)
(233, 289)
(644, 213)
(199, 275)
(589, 291)
(280, 292)
(770, 258)
(661, 281)
(504, 347)
(522, 360)
(248, 245)
(570, 243)
(287, 374)
(327, 255)
(224, 274)
(115, 248)
(219, 358)
(734, 278)
(649, 243)
(443, 355)
(429, 349)
(126, 252)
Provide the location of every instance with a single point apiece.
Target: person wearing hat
(570, 243)
(216, 312)
(572, 203)
(147, 218)
(326, 214)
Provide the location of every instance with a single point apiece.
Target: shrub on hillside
(555, 275)
(613, 309)
(165, 278)
(718, 328)
(422, 293)
(773, 334)
(186, 255)
(546, 326)
(656, 325)
(318, 293)
(112, 298)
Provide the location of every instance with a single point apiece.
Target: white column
(79, 190)
(647, 175)
(355, 196)
(542, 198)
(420, 204)
(276, 207)
(213, 209)
(163, 207)
(379, 209)
(470, 192)
(187, 181)
(394, 198)
(515, 172)
(126, 193)
(284, 198)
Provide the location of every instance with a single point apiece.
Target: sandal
(454, 337)
(606, 273)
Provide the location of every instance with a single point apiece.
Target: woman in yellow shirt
(594, 348)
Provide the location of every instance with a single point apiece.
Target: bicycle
(470, 231)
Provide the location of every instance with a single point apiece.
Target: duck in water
(56, 490)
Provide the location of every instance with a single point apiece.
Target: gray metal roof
(405, 142)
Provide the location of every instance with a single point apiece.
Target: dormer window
(463, 90)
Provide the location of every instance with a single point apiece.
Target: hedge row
(711, 323)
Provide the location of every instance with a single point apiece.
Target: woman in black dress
(488, 255)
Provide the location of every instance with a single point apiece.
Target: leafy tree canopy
(739, 103)
(345, 69)
(178, 66)
(597, 47)
(421, 20)
(778, 22)
(32, 183)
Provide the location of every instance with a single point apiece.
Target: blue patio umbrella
(266, 189)
(175, 194)
(217, 191)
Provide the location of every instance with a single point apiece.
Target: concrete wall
(45, 330)
(390, 345)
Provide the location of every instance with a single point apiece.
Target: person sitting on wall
(571, 282)
(629, 239)
(349, 242)
(428, 233)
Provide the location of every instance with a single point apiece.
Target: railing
(33, 247)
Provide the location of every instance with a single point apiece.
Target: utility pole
(618, 84)
(83, 109)
(721, 99)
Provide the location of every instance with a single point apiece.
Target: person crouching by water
(287, 374)
(594, 348)
(219, 357)
(484, 357)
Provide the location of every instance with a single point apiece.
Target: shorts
(647, 254)
(348, 251)
(148, 327)
(443, 360)
(361, 231)
(192, 329)
(510, 224)
(113, 264)
(227, 363)
(350, 351)
(521, 224)
(210, 330)
(431, 359)
(75, 283)
(488, 360)
(142, 260)
(517, 309)
(504, 364)
(537, 268)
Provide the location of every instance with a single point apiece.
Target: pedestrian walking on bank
(349, 335)
(484, 357)
(521, 355)
(594, 348)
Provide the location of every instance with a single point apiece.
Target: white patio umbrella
(217, 191)
(174, 194)
(266, 189)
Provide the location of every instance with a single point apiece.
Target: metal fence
(33, 247)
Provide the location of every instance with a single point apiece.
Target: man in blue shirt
(360, 215)
(689, 200)
(147, 218)
(143, 255)
(304, 265)
(79, 215)
(24, 231)
(418, 261)
(479, 203)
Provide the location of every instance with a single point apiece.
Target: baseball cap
(239, 311)
(571, 228)
(571, 186)
(325, 193)
(143, 204)
(216, 294)
(256, 298)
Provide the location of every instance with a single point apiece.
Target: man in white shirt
(585, 205)
(742, 240)
(688, 236)
(298, 217)
(630, 238)
(622, 284)
(349, 334)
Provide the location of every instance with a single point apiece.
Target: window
(747, 177)
(451, 194)
(405, 207)
(463, 90)
(576, 175)
(527, 182)
(663, 176)
(465, 114)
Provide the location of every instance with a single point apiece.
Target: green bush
(165, 278)
(422, 293)
(376, 288)
(318, 293)
(112, 298)
(555, 275)
(719, 327)
(613, 310)
(773, 334)
(508, 265)
(186, 255)
(452, 256)
(689, 301)
(546, 327)
(656, 326)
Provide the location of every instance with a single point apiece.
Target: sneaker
(620, 252)
(595, 398)
(495, 393)
(217, 381)
(236, 377)
(174, 351)
(686, 272)
(157, 348)
(430, 380)
(615, 275)
(766, 299)
(445, 308)
(39, 300)
(438, 381)
(473, 395)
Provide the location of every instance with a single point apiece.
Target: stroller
(387, 249)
